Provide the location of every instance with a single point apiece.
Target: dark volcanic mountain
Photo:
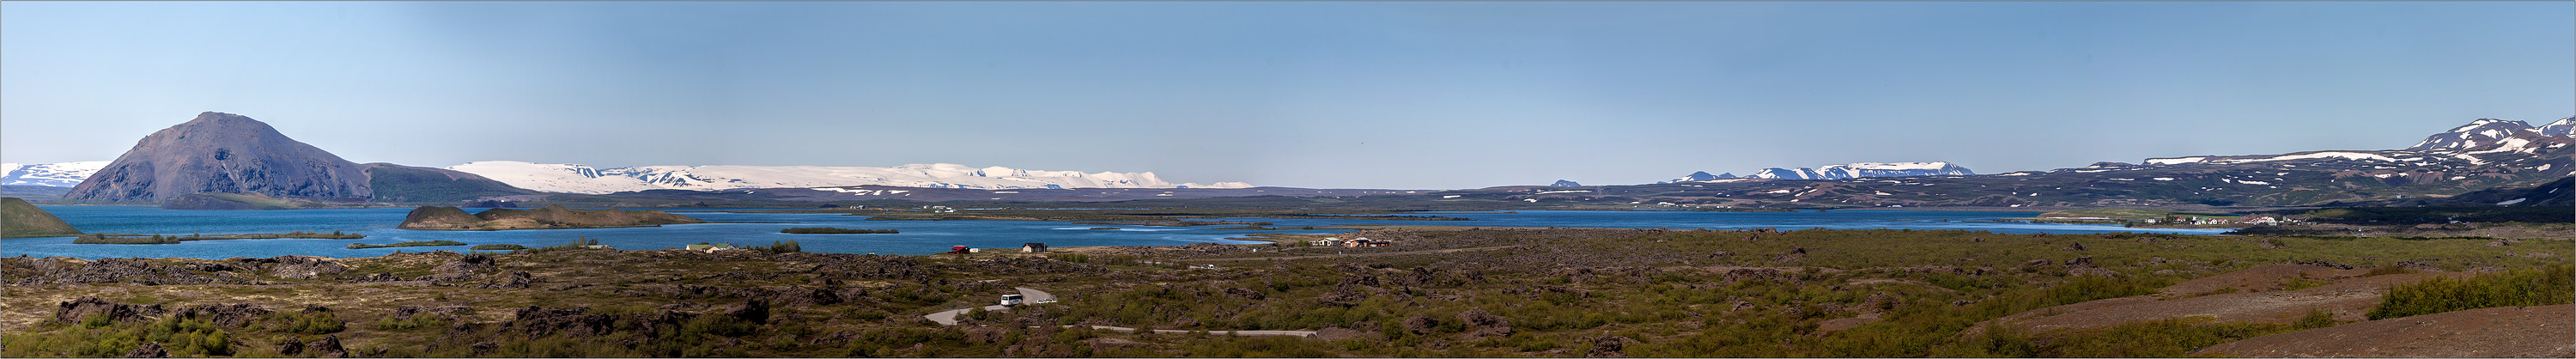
(223, 153)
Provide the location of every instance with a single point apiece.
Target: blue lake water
(918, 237)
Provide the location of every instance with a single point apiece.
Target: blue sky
(1415, 95)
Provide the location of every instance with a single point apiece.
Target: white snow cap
(64, 174)
(575, 178)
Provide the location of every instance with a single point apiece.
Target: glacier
(64, 174)
(1866, 169)
(576, 178)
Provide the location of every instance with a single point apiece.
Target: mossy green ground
(1547, 293)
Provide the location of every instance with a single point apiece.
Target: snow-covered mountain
(1700, 176)
(64, 174)
(2564, 127)
(1865, 169)
(2483, 141)
(574, 178)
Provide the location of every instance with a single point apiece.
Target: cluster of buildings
(1350, 243)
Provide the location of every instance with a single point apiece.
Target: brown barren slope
(2257, 298)
(2504, 332)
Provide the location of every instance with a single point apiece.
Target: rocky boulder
(80, 309)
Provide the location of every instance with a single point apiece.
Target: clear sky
(1412, 95)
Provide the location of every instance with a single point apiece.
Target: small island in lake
(830, 230)
(406, 244)
(116, 238)
(550, 217)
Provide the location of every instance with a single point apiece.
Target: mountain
(64, 174)
(2560, 193)
(1864, 169)
(1776, 172)
(1564, 183)
(2485, 154)
(399, 183)
(226, 154)
(222, 153)
(2483, 133)
(21, 219)
(574, 178)
(2564, 127)
(1700, 176)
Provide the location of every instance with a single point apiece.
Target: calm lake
(918, 237)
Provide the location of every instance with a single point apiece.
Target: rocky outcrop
(64, 270)
(81, 309)
(222, 153)
(21, 219)
(148, 350)
(292, 267)
(328, 347)
(580, 322)
(229, 316)
(550, 217)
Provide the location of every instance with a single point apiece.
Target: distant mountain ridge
(574, 178)
(1843, 171)
(222, 153)
(1700, 176)
(64, 174)
(2488, 161)
(227, 153)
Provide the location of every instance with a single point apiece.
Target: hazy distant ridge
(575, 178)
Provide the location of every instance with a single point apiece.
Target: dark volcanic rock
(293, 267)
(60, 270)
(148, 350)
(229, 316)
(222, 153)
(754, 311)
(73, 311)
(576, 322)
(439, 217)
(1609, 347)
(451, 311)
(328, 347)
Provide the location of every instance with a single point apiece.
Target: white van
(1011, 300)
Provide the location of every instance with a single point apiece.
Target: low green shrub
(2541, 286)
